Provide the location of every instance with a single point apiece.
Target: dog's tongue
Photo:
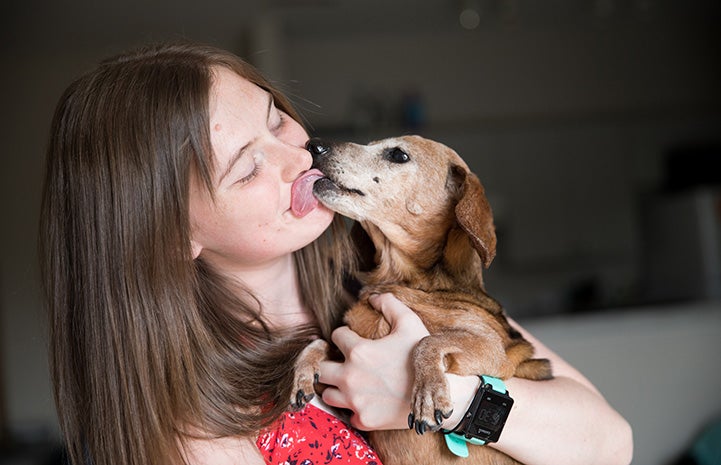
(302, 200)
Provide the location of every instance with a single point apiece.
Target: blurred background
(595, 126)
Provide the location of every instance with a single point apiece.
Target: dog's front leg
(307, 370)
(452, 351)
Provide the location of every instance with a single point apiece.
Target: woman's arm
(564, 420)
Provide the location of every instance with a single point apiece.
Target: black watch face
(491, 415)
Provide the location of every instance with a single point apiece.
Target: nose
(317, 147)
(292, 159)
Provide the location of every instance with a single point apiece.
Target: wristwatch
(485, 418)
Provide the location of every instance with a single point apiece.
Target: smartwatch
(485, 418)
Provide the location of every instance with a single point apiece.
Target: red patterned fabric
(312, 436)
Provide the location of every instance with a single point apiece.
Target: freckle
(218, 127)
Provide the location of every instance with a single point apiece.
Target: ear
(195, 248)
(473, 213)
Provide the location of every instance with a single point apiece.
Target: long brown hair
(146, 344)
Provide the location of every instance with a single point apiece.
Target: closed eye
(277, 118)
(247, 178)
(280, 121)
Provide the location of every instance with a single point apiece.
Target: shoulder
(223, 451)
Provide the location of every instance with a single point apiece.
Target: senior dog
(432, 232)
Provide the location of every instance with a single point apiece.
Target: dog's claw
(301, 399)
(421, 427)
(316, 378)
(440, 416)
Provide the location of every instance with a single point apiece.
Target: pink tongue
(302, 200)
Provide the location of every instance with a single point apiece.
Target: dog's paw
(431, 403)
(306, 373)
(301, 398)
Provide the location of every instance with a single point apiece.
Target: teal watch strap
(457, 443)
(496, 383)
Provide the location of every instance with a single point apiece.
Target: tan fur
(432, 230)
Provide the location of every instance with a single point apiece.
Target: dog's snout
(317, 147)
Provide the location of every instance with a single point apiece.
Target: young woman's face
(259, 154)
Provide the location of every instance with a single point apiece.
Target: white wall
(658, 366)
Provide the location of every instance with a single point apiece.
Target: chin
(313, 224)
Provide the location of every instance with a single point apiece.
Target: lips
(302, 200)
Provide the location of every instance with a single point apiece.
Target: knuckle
(364, 421)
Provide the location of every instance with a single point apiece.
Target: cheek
(213, 225)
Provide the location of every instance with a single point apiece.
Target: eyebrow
(239, 154)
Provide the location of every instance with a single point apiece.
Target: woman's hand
(375, 382)
(376, 377)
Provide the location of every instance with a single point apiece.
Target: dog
(432, 232)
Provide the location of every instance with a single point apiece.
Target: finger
(397, 313)
(331, 373)
(333, 397)
(389, 306)
(345, 339)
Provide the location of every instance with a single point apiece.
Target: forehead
(234, 96)
(422, 150)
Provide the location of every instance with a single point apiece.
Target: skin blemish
(413, 207)
(217, 127)
(376, 179)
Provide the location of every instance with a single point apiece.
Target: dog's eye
(396, 155)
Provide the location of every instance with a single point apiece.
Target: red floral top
(312, 436)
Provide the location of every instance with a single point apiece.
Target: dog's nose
(317, 147)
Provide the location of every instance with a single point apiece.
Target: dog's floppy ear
(473, 213)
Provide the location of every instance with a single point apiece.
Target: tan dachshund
(432, 230)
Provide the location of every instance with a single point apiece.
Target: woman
(186, 265)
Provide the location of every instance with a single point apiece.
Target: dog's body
(432, 231)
